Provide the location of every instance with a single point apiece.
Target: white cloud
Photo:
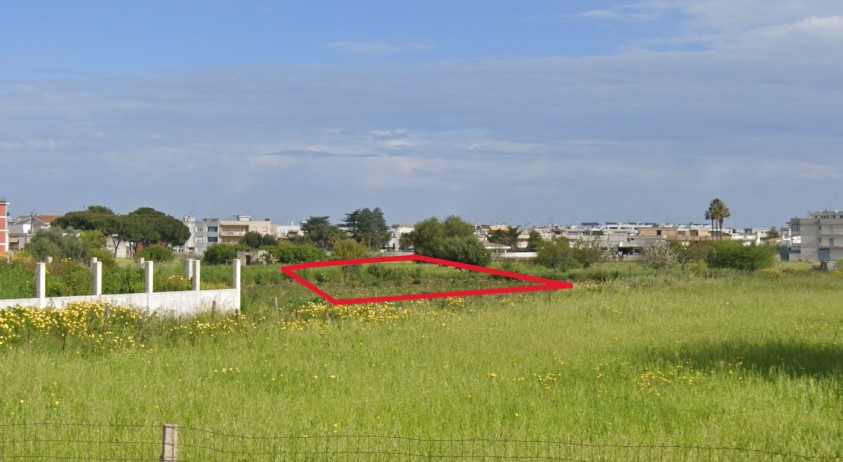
(633, 12)
(376, 47)
(758, 113)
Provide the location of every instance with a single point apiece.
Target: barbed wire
(126, 442)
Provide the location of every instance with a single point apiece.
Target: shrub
(156, 253)
(172, 283)
(557, 254)
(287, 253)
(348, 248)
(52, 242)
(659, 255)
(735, 255)
(68, 277)
(119, 280)
(104, 256)
(220, 254)
(465, 249)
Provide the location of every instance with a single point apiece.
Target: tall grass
(741, 361)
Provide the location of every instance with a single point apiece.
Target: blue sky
(521, 111)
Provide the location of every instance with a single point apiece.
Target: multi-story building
(209, 231)
(23, 229)
(4, 226)
(819, 237)
(203, 233)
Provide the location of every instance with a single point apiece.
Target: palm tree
(709, 219)
(718, 212)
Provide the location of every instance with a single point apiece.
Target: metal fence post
(169, 443)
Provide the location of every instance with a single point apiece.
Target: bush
(172, 283)
(659, 255)
(220, 254)
(735, 255)
(288, 253)
(68, 277)
(119, 280)
(104, 256)
(557, 254)
(465, 249)
(348, 248)
(157, 253)
(52, 242)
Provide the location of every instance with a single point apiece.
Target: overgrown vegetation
(700, 357)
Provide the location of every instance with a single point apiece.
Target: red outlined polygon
(545, 284)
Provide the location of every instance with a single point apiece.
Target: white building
(819, 237)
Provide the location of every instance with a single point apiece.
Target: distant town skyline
(500, 112)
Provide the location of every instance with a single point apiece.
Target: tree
(93, 238)
(589, 252)
(465, 249)
(451, 239)
(717, 212)
(144, 225)
(659, 255)
(534, 241)
(321, 232)
(368, 227)
(405, 242)
(556, 253)
(256, 240)
(150, 226)
(689, 252)
(52, 242)
(773, 233)
(507, 236)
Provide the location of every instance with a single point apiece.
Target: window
(213, 239)
(795, 227)
(831, 242)
(658, 232)
(212, 229)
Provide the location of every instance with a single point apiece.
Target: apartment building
(203, 233)
(819, 237)
(210, 231)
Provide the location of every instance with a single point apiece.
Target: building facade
(209, 231)
(23, 229)
(819, 237)
(203, 233)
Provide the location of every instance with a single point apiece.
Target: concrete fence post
(93, 263)
(97, 270)
(169, 443)
(188, 268)
(147, 276)
(141, 262)
(235, 273)
(41, 284)
(196, 274)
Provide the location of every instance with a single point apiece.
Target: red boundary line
(546, 284)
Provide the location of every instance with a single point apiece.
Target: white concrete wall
(178, 303)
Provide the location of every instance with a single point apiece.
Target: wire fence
(86, 442)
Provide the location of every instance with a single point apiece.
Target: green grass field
(745, 361)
